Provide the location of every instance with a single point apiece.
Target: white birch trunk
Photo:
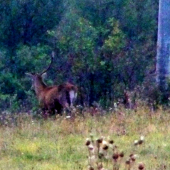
(163, 44)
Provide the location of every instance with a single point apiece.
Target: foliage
(102, 46)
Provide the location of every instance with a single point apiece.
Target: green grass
(60, 144)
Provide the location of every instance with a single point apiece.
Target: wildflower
(164, 144)
(115, 105)
(68, 117)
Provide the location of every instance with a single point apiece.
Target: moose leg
(58, 107)
(51, 111)
(67, 109)
(45, 113)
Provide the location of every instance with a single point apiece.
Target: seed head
(88, 142)
(131, 155)
(127, 162)
(121, 154)
(104, 142)
(90, 168)
(133, 158)
(105, 145)
(115, 156)
(99, 142)
(111, 141)
(141, 166)
(136, 142)
(141, 140)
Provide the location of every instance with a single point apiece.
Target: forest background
(105, 47)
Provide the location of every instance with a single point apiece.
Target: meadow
(28, 143)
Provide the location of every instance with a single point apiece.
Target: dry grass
(60, 144)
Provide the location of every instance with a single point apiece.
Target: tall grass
(59, 144)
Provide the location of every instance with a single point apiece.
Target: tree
(163, 45)
(103, 46)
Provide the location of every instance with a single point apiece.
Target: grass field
(60, 144)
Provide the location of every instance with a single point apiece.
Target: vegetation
(107, 48)
(103, 46)
(29, 143)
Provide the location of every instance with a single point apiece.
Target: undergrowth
(61, 144)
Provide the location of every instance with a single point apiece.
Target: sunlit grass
(60, 144)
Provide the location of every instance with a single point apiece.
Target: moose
(52, 98)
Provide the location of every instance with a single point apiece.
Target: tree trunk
(163, 45)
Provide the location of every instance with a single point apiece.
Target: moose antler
(52, 57)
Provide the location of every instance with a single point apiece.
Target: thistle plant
(104, 153)
(140, 141)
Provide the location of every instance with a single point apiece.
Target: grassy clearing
(60, 144)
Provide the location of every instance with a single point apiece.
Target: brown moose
(53, 98)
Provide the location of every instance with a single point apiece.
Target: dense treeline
(103, 46)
